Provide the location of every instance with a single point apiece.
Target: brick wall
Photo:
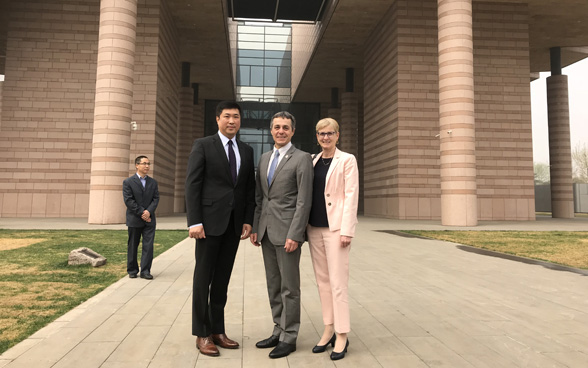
(419, 186)
(381, 118)
(304, 41)
(155, 96)
(48, 104)
(504, 148)
(168, 85)
(402, 113)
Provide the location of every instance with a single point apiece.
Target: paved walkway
(414, 303)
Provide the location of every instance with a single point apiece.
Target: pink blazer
(342, 192)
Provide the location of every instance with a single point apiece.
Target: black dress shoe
(133, 275)
(283, 349)
(270, 342)
(341, 355)
(322, 348)
(147, 276)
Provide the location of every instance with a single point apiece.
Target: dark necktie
(270, 174)
(232, 162)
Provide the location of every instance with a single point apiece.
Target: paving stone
(413, 302)
(87, 355)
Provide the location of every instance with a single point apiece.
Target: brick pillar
(348, 123)
(198, 112)
(560, 152)
(183, 147)
(112, 110)
(456, 113)
(1, 87)
(334, 113)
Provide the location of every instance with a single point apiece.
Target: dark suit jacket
(210, 192)
(138, 199)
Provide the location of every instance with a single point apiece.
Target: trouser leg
(289, 265)
(321, 272)
(206, 251)
(338, 267)
(147, 248)
(132, 246)
(274, 282)
(221, 278)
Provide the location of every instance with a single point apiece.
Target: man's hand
(146, 216)
(246, 231)
(197, 232)
(253, 239)
(345, 241)
(290, 246)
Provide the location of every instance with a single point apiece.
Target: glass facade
(264, 62)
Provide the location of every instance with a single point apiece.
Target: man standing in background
(141, 196)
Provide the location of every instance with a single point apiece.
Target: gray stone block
(82, 256)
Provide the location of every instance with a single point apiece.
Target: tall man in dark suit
(220, 200)
(141, 196)
(283, 196)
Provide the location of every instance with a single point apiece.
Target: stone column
(183, 139)
(198, 112)
(349, 115)
(1, 89)
(560, 151)
(456, 113)
(198, 115)
(348, 124)
(112, 110)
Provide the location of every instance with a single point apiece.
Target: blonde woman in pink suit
(331, 227)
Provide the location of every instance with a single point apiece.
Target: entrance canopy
(276, 10)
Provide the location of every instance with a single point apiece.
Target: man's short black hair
(284, 115)
(139, 158)
(227, 105)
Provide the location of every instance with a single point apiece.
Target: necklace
(327, 161)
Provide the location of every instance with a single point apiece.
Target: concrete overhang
(204, 43)
(561, 23)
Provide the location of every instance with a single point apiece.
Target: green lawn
(37, 285)
(569, 248)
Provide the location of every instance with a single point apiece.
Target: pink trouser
(331, 269)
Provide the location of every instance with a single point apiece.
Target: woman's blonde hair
(323, 123)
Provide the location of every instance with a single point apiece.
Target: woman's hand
(345, 241)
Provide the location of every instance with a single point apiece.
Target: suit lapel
(139, 191)
(334, 163)
(283, 162)
(263, 166)
(241, 147)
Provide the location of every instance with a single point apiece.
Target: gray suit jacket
(284, 206)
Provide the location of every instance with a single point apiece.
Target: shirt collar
(142, 178)
(226, 140)
(284, 149)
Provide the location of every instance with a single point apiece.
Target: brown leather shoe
(224, 342)
(206, 346)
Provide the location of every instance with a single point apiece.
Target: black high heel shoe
(341, 355)
(322, 348)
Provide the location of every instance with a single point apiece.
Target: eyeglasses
(326, 134)
(145, 163)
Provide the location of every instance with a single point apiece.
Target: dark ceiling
(284, 10)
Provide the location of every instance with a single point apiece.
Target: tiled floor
(414, 303)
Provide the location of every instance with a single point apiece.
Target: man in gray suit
(283, 196)
(141, 196)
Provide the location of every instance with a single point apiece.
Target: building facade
(433, 97)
